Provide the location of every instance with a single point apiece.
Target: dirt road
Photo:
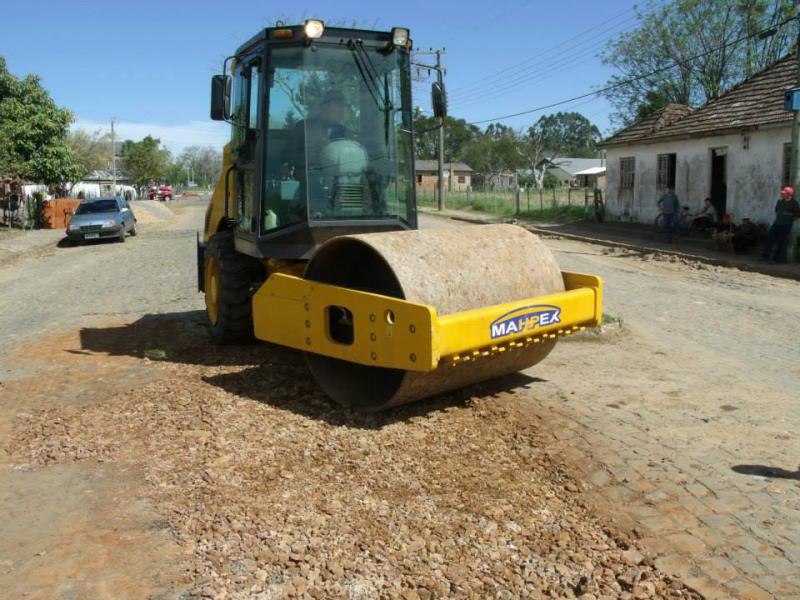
(139, 462)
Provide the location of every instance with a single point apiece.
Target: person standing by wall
(669, 208)
(786, 210)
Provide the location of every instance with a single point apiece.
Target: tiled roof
(755, 102)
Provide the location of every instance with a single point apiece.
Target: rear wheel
(230, 279)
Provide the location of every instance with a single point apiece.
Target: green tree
(91, 150)
(146, 161)
(33, 132)
(560, 134)
(691, 51)
(569, 134)
(205, 163)
(458, 134)
(494, 151)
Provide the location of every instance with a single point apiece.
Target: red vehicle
(160, 192)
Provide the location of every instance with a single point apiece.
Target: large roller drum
(454, 270)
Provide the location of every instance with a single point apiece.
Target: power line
(565, 63)
(638, 77)
(498, 76)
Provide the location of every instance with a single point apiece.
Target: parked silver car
(102, 218)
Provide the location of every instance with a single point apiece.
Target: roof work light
(400, 36)
(313, 28)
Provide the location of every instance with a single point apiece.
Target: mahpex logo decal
(527, 318)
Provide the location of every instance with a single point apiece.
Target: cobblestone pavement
(688, 424)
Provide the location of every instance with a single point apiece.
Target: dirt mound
(151, 211)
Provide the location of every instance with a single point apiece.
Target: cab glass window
(339, 144)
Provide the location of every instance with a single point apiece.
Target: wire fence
(560, 203)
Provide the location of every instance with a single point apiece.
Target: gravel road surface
(137, 461)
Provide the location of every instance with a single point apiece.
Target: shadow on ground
(766, 471)
(289, 386)
(178, 337)
(272, 374)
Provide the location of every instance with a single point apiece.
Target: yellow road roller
(311, 238)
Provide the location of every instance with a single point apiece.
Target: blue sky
(149, 63)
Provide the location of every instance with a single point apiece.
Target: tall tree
(91, 150)
(33, 132)
(495, 151)
(458, 134)
(205, 163)
(691, 51)
(146, 161)
(565, 134)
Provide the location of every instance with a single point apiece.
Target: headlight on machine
(313, 28)
(109, 224)
(400, 36)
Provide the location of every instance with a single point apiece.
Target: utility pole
(440, 144)
(113, 161)
(440, 77)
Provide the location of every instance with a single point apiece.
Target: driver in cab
(319, 129)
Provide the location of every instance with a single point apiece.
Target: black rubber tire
(239, 276)
(133, 230)
(121, 238)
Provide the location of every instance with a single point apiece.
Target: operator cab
(321, 137)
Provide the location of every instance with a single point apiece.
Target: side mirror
(439, 100)
(221, 97)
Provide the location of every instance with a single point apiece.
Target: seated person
(324, 125)
(723, 236)
(706, 218)
(745, 237)
(308, 138)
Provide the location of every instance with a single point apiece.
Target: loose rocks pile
(151, 211)
(274, 492)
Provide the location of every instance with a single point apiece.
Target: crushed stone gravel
(274, 492)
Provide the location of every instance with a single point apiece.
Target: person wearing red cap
(786, 210)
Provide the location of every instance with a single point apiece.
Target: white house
(578, 172)
(735, 149)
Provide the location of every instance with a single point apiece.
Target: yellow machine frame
(395, 333)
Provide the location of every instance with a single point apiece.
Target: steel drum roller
(452, 269)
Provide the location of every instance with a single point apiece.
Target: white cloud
(175, 137)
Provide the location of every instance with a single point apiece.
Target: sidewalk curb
(718, 262)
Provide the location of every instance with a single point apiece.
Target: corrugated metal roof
(432, 165)
(573, 166)
(102, 175)
(592, 171)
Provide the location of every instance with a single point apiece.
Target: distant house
(457, 175)
(100, 183)
(735, 149)
(578, 172)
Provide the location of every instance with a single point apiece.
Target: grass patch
(503, 204)
(556, 214)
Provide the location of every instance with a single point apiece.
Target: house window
(419, 178)
(627, 168)
(462, 179)
(787, 164)
(666, 171)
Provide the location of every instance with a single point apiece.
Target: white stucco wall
(754, 175)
